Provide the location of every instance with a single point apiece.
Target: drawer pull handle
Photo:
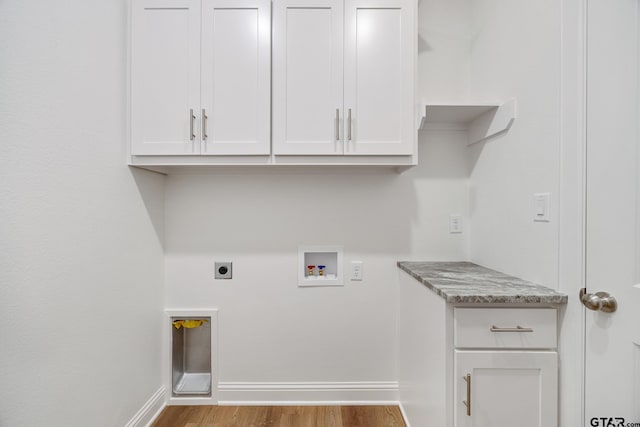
(467, 402)
(518, 328)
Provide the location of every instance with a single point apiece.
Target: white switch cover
(356, 270)
(455, 223)
(541, 207)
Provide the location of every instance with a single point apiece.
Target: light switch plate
(541, 207)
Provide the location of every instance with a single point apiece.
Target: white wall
(484, 50)
(82, 235)
(444, 34)
(272, 330)
(516, 53)
(495, 50)
(80, 238)
(532, 51)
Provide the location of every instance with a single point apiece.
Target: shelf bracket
(492, 122)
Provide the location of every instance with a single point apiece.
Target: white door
(380, 47)
(236, 77)
(165, 77)
(506, 389)
(612, 374)
(307, 77)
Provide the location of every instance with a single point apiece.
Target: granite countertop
(465, 282)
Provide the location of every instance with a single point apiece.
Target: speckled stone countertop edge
(465, 282)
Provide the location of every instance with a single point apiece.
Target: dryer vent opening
(191, 356)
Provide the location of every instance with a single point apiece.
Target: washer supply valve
(311, 270)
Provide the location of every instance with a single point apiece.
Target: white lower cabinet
(505, 367)
(505, 388)
(475, 364)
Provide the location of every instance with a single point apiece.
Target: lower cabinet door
(506, 389)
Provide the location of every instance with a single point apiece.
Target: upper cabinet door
(308, 77)
(165, 77)
(236, 77)
(380, 51)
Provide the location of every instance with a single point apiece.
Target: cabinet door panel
(379, 76)
(508, 388)
(307, 86)
(165, 76)
(236, 76)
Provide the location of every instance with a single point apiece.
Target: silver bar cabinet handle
(467, 402)
(337, 124)
(518, 328)
(349, 124)
(204, 124)
(191, 119)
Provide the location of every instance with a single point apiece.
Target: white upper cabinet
(236, 77)
(200, 77)
(380, 51)
(165, 76)
(307, 76)
(340, 88)
(362, 106)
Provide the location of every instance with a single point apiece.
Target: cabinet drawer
(505, 328)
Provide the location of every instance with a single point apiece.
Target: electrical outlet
(223, 270)
(455, 223)
(356, 270)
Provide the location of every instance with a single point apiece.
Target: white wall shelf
(480, 120)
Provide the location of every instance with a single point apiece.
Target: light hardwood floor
(280, 416)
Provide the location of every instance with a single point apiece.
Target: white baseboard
(191, 401)
(308, 393)
(149, 411)
(404, 414)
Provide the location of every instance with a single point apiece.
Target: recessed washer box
(320, 266)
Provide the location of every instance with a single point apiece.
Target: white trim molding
(150, 410)
(572, 212)
(308, 393)
(404, 414)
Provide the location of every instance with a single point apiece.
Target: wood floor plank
(252, 416)
(224, 416)
(273, 415)
(306, 416)
(329, 416)
(280, 416)
(353, 416)
(393, 416)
